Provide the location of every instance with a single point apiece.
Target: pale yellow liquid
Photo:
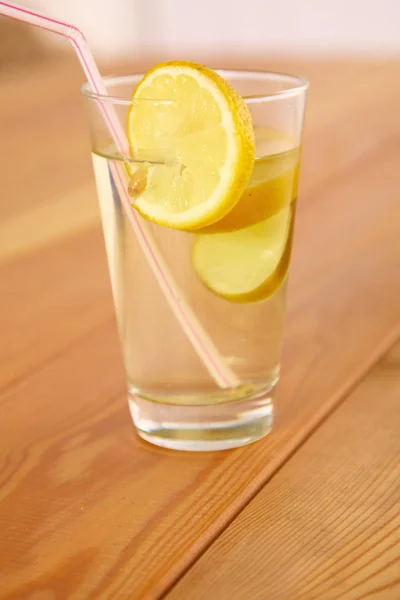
(160, 362)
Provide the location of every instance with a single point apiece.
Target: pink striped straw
(201, 341)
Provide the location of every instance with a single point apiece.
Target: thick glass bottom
(203, 427)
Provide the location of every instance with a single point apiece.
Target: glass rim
(298, 86)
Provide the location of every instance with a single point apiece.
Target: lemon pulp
(194, 133)
(245, 256)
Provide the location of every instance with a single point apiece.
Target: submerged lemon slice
(272, 185)
(247, 265)
(192, 146)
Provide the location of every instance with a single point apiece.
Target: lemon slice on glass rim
(192, 146)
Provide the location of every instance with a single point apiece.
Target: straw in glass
(202, 343)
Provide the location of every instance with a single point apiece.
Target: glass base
(203, 427)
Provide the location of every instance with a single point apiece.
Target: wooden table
(88, 511)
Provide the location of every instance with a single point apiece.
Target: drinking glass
(176, 397)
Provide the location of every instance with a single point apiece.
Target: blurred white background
(319, 27)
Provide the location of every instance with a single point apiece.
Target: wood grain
(87, 510)
(328, 524)
(49, 300)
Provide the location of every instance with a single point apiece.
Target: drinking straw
(201, 341)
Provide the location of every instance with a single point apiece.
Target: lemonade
(217, 192)
(247, 326)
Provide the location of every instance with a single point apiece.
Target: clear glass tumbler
(228, 282)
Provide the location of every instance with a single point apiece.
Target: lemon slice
(272, 185)
(194, 133)
(247, 265)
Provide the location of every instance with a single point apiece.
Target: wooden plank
(54, 286)
(66, 436)
(102, 514)
(44, 146)
(49, 222)
(328, 524)
(49, 300)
